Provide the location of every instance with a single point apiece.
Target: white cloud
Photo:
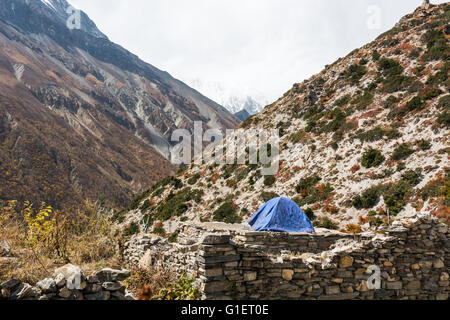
(263, 44)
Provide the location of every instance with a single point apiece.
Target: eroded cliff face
(80, 116)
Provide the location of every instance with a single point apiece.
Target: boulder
(111, 286)
(25, 291)
(5, 249)
(100, 296)
(65, 293)
(47, 285)
(60, 280)
(69, 271)
(111, 275)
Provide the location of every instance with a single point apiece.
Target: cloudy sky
(262, 45)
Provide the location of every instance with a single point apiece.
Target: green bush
(267, 196)
(176, 203)
(355, 73)
(444, 102)
(306, 184)
(227, 213)
(343, 101)
(403, 151)
(424, 145)
(368, 199)
(395, 196)
(326, 223)
(436, 44)
(390, 67)
(362, 101)
(412, 177)
(338, 119)
(132, 229)
(444, 118)
(296, 137)
(173, 237)
(310, 214)
(146, 205)
(375, 55)
(372, 158)
(415, 103)
(193, 180)
(269, 180)
(391, 101)
(371, 135)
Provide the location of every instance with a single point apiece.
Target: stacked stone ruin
(408, 260)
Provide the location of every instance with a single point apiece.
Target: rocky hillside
(81, 117)
(366, 136)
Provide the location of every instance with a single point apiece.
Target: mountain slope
(366, 136)
(81, 117)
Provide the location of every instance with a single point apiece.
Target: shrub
(396, 83)
(227, 213)
(441, 77)
(368, 199)
(306, 184)
(310, 214)
(395, 196)
(296, 137)
(436, 44)
(375, 55)
(269, 180)
(326, 223)
(132, 229)
(146, 205)
(432, 93)
(362, 101)
(343, 101)
(444, 118)
(176, 203)
(444, 102)
(393, 134)
(267, 196)
(424, 145)
(371, 135)
(403, 151)
(338, 119)
(355, 73)
(193, 180)
(391, 101)
(390, 67)
(314, 195)
(159, 230)
(372, 158)
(412, 177)
(173, 237)
(415, 103)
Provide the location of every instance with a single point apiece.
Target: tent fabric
(281, 215)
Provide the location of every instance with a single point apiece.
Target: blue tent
(281, 215)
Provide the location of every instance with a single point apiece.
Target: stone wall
(70, 283)
(230, 262)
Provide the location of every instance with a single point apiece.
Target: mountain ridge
(112, 114)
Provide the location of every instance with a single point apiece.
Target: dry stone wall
(70, 283)
(408, 260)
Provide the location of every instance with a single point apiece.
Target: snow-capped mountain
(232, 98)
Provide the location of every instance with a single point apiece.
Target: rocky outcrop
(70, 283)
